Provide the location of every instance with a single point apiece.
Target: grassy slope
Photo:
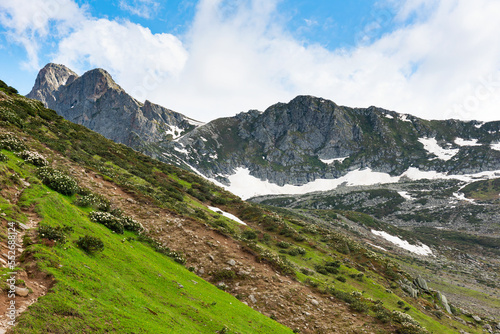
(128, 288)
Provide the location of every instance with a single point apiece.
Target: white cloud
(30, 22)
(142, 8)
(142, 62)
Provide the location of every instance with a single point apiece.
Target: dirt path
(30, 284)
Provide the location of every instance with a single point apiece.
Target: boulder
(22, 292)
(444, 302)
(476, 318)
(488, 328)
(421, 283)
(409, 289)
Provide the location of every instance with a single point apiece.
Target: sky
(436, 59)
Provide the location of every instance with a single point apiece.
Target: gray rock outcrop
(444, 301)
(421, 284)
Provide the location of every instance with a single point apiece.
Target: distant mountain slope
(309, 139)
(97, 102)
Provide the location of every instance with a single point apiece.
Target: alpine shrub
(33, 158)
(96, 201)
(57, 234)
(130, 224)
(11, 143)
(57, 181)
(90, 244)
(108, 220)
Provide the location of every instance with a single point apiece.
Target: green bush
(96, 201)
(249, 235)
(11, 143)
(57, 234)
(178, 257)
(7, 89)
(382, 314)
(283, 244)
(33, 158)
(130, 224)
(3, 157)
(335, 264)
(90, 244)
(341, 279)
(224, 274)
(360, 306)
(296, 251)
(306, 271)
(332, 270)
(108, 220)
(57, 181)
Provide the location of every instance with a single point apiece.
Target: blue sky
(214, 58)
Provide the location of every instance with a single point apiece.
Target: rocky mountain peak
(48, 81)
(97, 82)
(96, 101)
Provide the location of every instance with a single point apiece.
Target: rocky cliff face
(311, 138)
(97, 102)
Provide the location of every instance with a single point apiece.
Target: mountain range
(307, 144)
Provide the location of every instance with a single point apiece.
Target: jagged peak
(49, 79)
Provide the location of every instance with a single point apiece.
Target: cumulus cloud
(139, 60)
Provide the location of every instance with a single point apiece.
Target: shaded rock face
(97, 102)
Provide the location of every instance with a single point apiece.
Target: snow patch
(463, 142)
(227, 215)
(194, 122)
(246, 186)
(382, 248)
(404, 118)
(431, 146)
(174, 131)
(419, 250)
(405, 195)
(495, 146)
(181, 150)
(462, 197)
(389, 116)
(330, 161)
